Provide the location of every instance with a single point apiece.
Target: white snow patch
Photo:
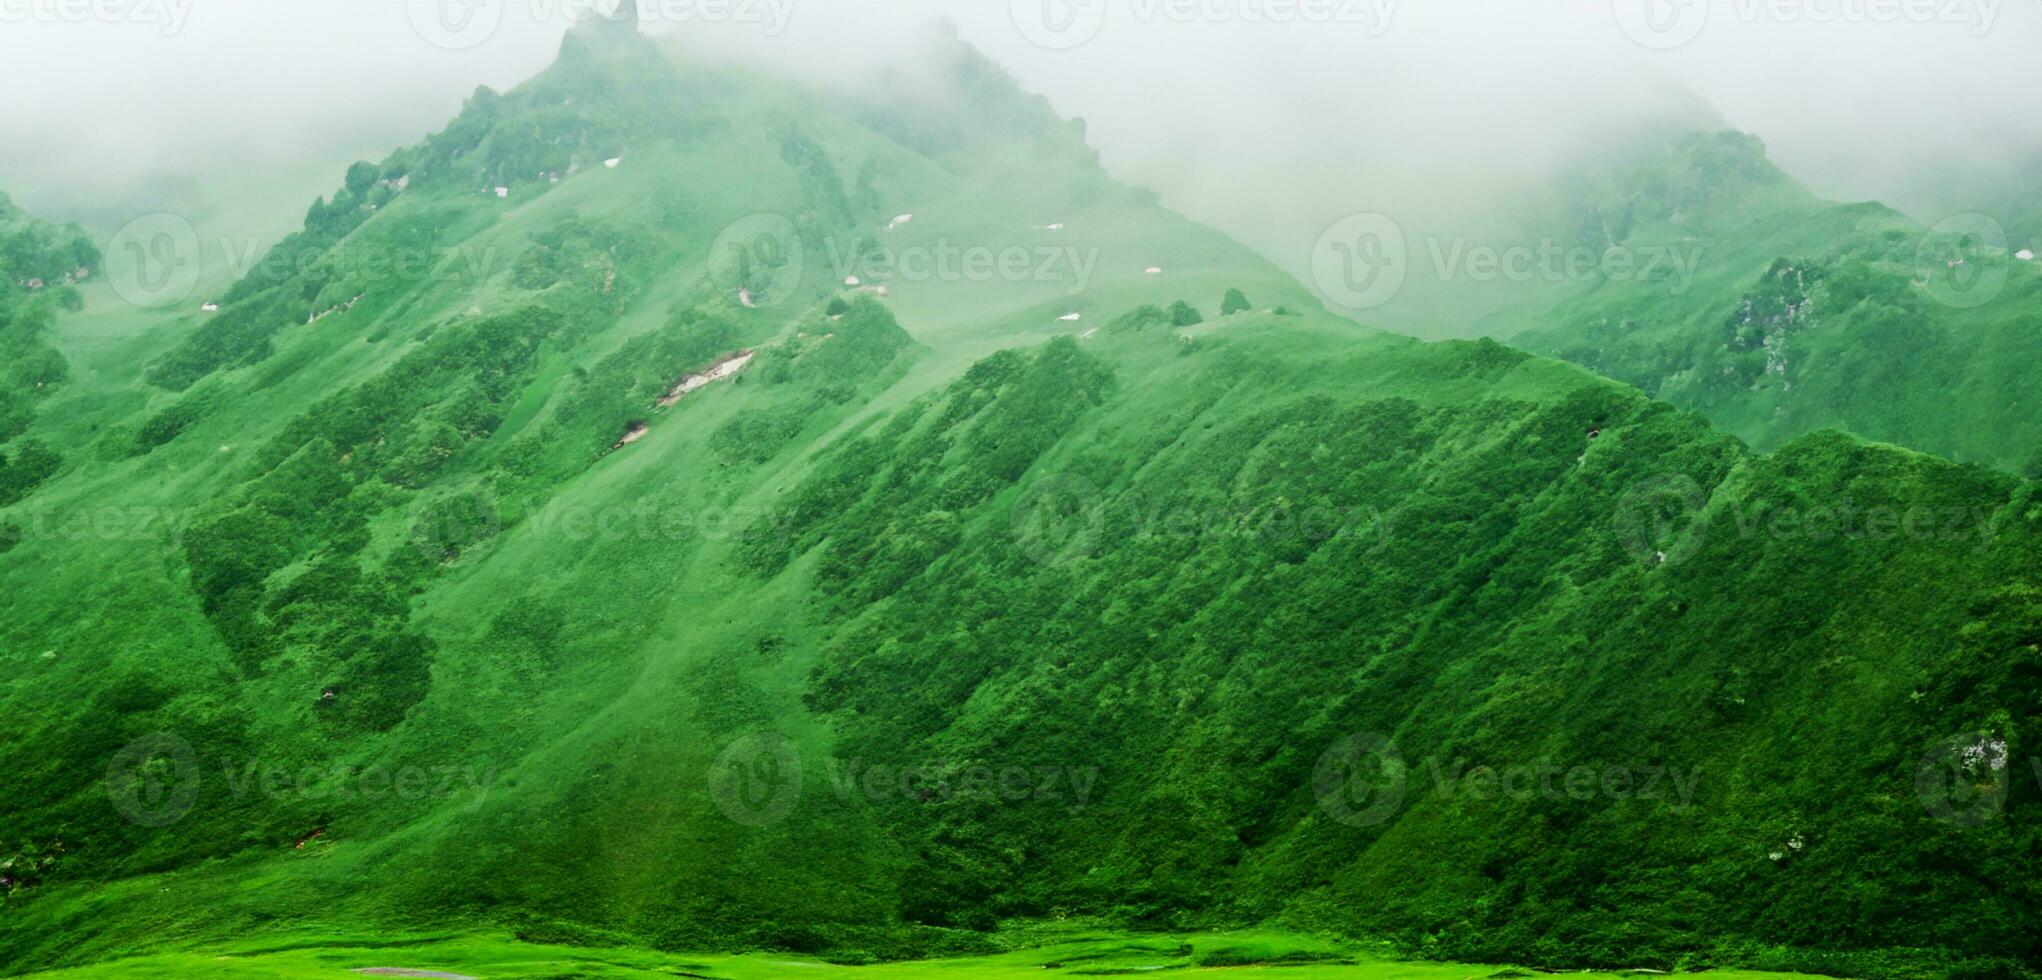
(1071, 317)
(638, 430)
(1154, 270)
(613, 162)
(899, 220)
(716, 372)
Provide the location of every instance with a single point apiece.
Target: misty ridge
(1272, 120)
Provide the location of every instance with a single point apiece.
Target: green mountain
(40, 265)
(1799, 314)
(551, 540)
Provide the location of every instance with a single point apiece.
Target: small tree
(1183, 314)
(84, 254)
(361, 177)
(1236, 302)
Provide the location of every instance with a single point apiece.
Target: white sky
(1861, 98)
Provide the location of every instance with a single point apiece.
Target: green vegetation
(40, 267)
(570, 584)
(1074, 951)
(1800, 315)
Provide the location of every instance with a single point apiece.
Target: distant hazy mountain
(1801, 314)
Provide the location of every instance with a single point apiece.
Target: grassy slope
(1874, 350)
(873, 601)
(1248, 956)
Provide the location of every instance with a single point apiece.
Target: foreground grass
(1240, 955)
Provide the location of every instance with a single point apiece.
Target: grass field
(1245, 956)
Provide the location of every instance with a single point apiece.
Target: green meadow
(1247, 956)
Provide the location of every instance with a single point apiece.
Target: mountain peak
(1698, 182)
(617, 27)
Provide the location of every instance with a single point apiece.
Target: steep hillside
(40, 267)
(1800, 314)
(555, 538)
